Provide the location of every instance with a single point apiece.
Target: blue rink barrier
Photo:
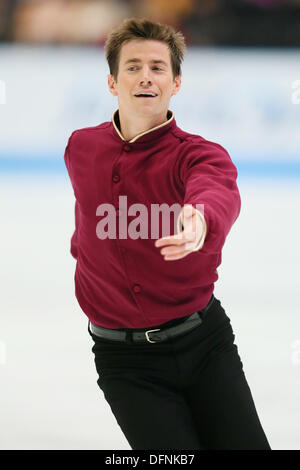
(246, 168)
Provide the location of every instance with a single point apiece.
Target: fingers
(177, 240)
(176, 246)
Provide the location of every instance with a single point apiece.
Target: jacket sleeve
(209, 179)
(74, 242)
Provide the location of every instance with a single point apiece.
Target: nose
(145, 80)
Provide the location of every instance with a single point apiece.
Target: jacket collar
(150, 134)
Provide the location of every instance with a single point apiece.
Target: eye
(133, 67)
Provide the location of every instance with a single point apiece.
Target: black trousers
(189, 392)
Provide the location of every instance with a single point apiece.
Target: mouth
(145, 96)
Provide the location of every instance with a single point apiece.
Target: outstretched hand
(182, 244)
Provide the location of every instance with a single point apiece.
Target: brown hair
(141, 28)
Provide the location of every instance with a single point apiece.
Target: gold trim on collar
(143, 133)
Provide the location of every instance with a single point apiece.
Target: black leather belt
(154, 335)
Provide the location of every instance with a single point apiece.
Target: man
(163, 344)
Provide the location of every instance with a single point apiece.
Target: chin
(147, 112)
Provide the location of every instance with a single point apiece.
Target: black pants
(189, 392)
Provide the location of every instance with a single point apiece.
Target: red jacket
(126, 282)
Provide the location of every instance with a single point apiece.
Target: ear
(112, 85)
(176, 85)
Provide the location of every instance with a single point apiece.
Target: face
(144, 66)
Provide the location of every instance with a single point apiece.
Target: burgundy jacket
(124, 281)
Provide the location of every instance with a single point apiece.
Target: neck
(131, 127)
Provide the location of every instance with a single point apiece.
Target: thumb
(189, 224)
(187, 212)
(187, 216)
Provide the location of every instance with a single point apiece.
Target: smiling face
(144, 67)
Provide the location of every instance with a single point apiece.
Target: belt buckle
(147, 335)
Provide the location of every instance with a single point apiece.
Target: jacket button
(127, 148)
(137, 288)
(116, 178)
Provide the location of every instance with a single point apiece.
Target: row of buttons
(116, 179)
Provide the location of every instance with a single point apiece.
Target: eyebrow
(154, 61)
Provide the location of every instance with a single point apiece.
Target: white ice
(49, 395)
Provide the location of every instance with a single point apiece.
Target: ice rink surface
(49, 395)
